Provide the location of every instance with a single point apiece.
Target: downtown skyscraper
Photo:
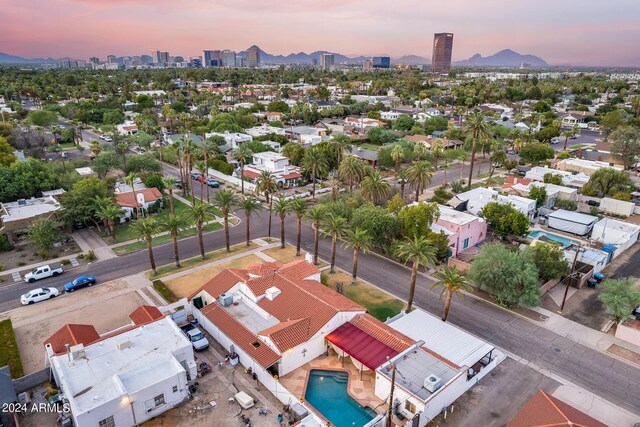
(442, 50)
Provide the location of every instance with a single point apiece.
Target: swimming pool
(327, 392)
(554, 237)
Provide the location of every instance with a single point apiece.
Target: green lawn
(370, 146)
(9, 353)
(124, 232)
(165, 238)
(166, 293)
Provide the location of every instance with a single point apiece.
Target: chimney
(66, 346)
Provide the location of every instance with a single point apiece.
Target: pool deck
(361, 390)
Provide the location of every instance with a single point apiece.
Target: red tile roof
(298, 269)
(222, 282)
(145, 314)
(250, 174)
(292, 175)
(72, 334)
(240, 335)
(127, 200)
(511, 180)
(543, 410)
(288, 334)
(264, 267)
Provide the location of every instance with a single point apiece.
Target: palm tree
(462, 156)
(299, 206)
(314, 162)
(401, 177)
(360, 241)
(334, 226)
(317, 214)
(95, 147)
(202, 169)
(374, 187)
(498, 157)
(334, 185)
(419, 175)
(451, 281)
(250, 205)
(170, 185)
(478, 129)
(567, 134)
(174, 224)
(418, 251)
(351, 169)
(266, 183)
(226, 200)
(108, 212)
(420, 150)
(242, 155)
(437, 147)
(130, 180)
(145, 229)
(282, 208)
(198, 213)
(397, 155)
(338, 146)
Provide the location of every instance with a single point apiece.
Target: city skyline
(87, 28)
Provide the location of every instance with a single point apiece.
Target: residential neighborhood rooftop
(28, 208)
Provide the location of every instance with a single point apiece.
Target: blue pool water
(327, 392)
(554, 237)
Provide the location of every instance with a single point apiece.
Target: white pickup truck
(43, 272)
(197, 338)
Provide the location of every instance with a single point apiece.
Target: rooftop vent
(125, 343)
(432, 383)
(255, 344)
(272, 293)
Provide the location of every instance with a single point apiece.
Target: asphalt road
(584, 137)
(609, 378)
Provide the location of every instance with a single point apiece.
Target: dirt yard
(104, 306)
(25, 254)
(186, 285)
(285, 255)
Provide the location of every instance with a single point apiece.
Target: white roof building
(478, 198)
(232, 139)
(620, 234)
(569, 179)
(124, 377)
(264, 129)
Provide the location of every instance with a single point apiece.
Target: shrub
(9, 352)
(21, 263)
(619, 297)
(324, 279)
(80, 256)
(5, 246)
(568, 205)
(457, 186)
(90, 256)
(165, 292)
(2, 267)
(65, 262)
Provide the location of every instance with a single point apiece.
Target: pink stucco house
(464, 229)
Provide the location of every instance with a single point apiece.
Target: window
(410, 407)
(150, 405)
(465, 244)
(175, 388)
(107, 422)
(159, 400)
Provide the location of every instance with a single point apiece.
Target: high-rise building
(368, 64)
(212, 58)
(228, 58)
(253, 57)
(94, 60)
(111, 59)
(195, 62)
(159, 57)
(327, 61)
(442, 49)
(381, 62)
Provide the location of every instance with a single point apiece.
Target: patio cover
(361, 346)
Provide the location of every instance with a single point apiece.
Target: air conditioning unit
(432, 383)
(123, 344)
(225, 300)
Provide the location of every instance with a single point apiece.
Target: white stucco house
(277, 165)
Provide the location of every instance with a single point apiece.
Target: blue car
(80, 282)
(213, 183)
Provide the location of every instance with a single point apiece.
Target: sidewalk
(88, 240)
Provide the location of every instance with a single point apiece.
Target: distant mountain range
(504, 58)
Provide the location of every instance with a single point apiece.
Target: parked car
(555, 140)
(178, 183)
(39, 294)
(43, 272)
(195, 335)
(79, 283)
(213, 183)
(195, 175)
(108, 139)
(593, 203)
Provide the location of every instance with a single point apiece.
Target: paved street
(605, 376)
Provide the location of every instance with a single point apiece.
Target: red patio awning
(358, 344)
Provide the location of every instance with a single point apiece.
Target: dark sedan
(80, 282)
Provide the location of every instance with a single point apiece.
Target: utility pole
(568, 279)
(393, 383)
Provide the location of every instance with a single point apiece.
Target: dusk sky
(575, 32)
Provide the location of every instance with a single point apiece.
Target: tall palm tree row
(145, 229)
(360, 241)
(226, 200)
(250, 205)
(420, 252)
(317, 214)
(174, 224)
(299, 207)
(339, 146)
(198, 213)
(334, 226)
(108, 212)
(374, 187)
(478, 128)
(452, 281)
(402, 177)
(282, 207)
(242, 155)
(266, 184)
(419, 176)
(170, 185)
(315, 162)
